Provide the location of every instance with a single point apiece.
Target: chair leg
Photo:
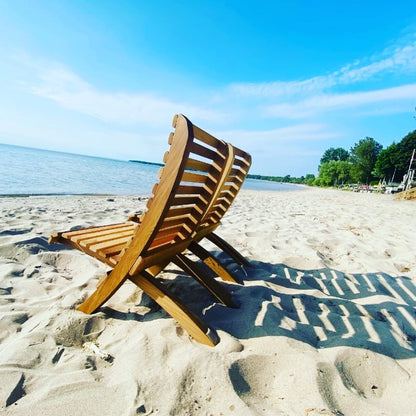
(172, 305)
(103, 278)
(209, 283)
(212, 262)
(228, 248)
(108, 285)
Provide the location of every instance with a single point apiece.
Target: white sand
(326, 326)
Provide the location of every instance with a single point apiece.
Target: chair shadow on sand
(323, 308)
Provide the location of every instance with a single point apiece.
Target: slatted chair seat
(196, 166)
(104, 243)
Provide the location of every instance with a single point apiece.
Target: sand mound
(410, 194)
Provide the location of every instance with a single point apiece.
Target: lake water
(27, 171)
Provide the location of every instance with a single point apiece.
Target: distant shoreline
(146, 163)
(278, 179)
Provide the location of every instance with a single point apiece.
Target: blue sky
(284, 80)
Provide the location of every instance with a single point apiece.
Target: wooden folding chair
(190, 182)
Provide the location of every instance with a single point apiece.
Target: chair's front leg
(175, 308)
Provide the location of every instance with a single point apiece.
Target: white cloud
(400, 59)
(280, 88)
(61, 85)
(330, 102)
(295, 133)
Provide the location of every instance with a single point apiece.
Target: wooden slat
(113, 251)
(190, 190)
(178, 221)
(85, 238)
(205, 137)
(237, 172)
(196, 209)
(183, 212)
(168, 231)
(105, 245)
(186, 200)
(105, 238)
(170, 138)
(203, 151)
(194, 177)
(167, 227)
(201, 166)
(83, 231)
(242, 163)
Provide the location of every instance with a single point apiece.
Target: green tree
(343, 172)
(334, 154)
(386, 163)
(394, 160)
(309, 179)
(334, 173)
(404, 152)
(363, 157)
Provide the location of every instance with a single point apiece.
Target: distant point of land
(147, 163)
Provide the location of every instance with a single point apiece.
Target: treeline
(366, 162)
(306, 180)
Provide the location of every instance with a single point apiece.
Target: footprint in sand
(363, 375)
(76, 329)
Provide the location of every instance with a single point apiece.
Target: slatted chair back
(226, 194)
(185, 193)
(229, 188)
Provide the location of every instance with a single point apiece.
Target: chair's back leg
(228, 248)
(212, 262)
(208, 282)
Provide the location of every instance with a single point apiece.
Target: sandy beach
(326, 323)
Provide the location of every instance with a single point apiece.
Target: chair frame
(197, 166)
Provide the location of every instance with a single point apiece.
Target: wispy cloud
(399, 59)
(60, 84)
(294, 133)
(330, 102)
(295, 99)
(282, 89)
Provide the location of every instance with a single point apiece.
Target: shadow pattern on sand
(324, 308)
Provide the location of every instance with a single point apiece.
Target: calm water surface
(27, 171)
